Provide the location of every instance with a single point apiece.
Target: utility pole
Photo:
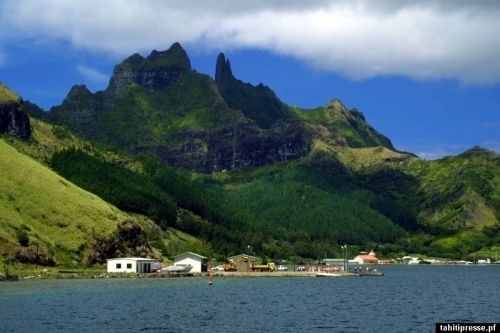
(248, 258)
(344, 247)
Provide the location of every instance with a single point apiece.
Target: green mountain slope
(254, 171)
(40, 209)
(6, 95)
(159, 106)
(342, 127)
(258, 103)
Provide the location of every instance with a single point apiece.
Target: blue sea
(406, 299)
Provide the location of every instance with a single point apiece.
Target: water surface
(406, 299)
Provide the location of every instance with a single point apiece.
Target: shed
(132, 265)
(243, 262)
(332, 261)
(197, 261)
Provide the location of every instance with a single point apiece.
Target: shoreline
(67, 274)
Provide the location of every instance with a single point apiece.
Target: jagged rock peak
(157, 71)
(478, 150)
(174, 56)
(77, 91)
(336, 104)
(358, 114)
(222, 68)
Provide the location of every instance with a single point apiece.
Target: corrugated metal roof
(192, 254)
(243, 255)
(133, 259)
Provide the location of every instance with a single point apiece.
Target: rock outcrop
(258, 103)
(129, 240)
(155, 72)
(237, 146)
(14, 121)
(159, 106)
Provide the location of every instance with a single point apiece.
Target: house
(132, 265)
(243, 262)
(198, 262)
(364, 258)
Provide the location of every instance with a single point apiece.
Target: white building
(132, 265)
(198, 262)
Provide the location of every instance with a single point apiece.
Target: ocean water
(406, 299)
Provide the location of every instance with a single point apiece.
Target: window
(118, 266)
(129, 266)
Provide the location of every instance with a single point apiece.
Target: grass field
(51, 210)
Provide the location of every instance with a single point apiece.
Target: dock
(277, 274)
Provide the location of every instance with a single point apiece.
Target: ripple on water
(406, 299)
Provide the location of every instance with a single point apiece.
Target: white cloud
(358, 38)
(92, 74)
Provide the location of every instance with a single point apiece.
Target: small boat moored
(371, 273)
(325, 274)
(179, 268)
(368, 271)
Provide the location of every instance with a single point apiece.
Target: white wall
(128, 265)
(195, 262)
(112, 266)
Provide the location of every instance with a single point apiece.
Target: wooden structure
(243, 262)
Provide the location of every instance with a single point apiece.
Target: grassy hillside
(7, 95)
(458, 201)
(144, 119)
(309, 206)
(364, 196)
(236, 217)
(461, 191)
(50, 211)
(337, 125)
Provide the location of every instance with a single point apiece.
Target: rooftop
(191, 254)
(243, 255)
(133, 259)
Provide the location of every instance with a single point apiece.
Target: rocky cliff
(13, 120)
(157, 71)
(158, 105)
(258, 103)
(237, 146)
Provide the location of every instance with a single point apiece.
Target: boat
(414, 261)
(371, 273)
(179, 268)
(368, 271)
(325, 274)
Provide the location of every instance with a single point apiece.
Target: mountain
(52, 218)
(259, 103)
(159, 106)
(229, 163)
(45, 219)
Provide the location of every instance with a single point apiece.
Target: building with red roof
(366, 258)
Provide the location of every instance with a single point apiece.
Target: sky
(426, 73)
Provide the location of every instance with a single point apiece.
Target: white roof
(191, 254)
(243, 255)
(133, 259)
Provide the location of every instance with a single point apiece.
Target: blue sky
(426, 75)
